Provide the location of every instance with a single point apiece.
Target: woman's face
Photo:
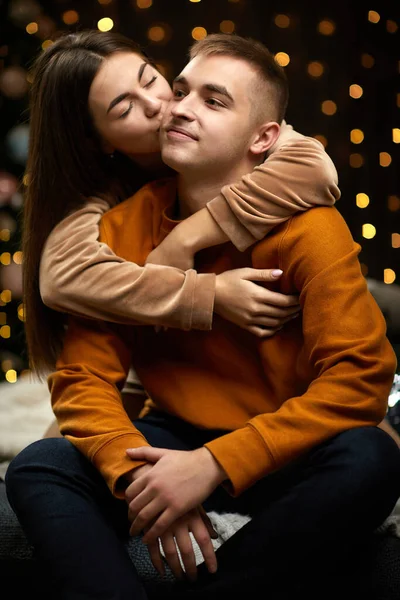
(127, 100)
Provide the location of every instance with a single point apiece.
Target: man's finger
(150, 514)
(185, 546)
(171, 554)
(146, 453)
(207, 522)
(156, 558)
(165, 519)
(207, 549)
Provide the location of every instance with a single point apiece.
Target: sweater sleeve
(81, 275)
(87, 401)
(345, 355)
(297, 175)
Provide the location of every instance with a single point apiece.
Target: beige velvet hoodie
(81, 275)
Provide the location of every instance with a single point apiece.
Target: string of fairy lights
(160, 29)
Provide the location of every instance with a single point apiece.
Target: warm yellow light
(21, 312)
(393, 203)
(25, 179)
(368, 231)
(5, 331)
(362, 200)
(384, 159)
(11, 376)
(356, 91)
(367, 61)
(105, 24)
(396, 135)
(47, 44)
(5, 258)
(282, 21)
(199, 33)
(315, 69)
(395, 240)
(17, 257)
(328, 107)
(356, 136)
(227, 26)
(5, 296)
(326, 27)
(373, 16)
(321, 138)
(156, 33)
(282, 59)
(391, 26)
(70, 17)
(5, 235)
(356, 160)
(194, 1)
(389, 276)
(144, 3)
(32, 28)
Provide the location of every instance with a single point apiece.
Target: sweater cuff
(244, 457)
(113, 463)
(201, 316)
(220, 210)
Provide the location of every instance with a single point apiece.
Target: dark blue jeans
(308, 519)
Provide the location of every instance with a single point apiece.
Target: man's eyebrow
(126, 94)
(212, 87)
(219, 89)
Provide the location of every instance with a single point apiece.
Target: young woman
(89, 151)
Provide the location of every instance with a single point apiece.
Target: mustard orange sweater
(328, 370)
(81, 276)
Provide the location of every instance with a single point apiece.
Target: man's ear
(265, 137)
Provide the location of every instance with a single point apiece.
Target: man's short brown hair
(271, 90)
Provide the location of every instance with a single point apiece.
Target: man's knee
(369, 456)
(42, 454)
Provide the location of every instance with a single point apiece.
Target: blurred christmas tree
(17, 48)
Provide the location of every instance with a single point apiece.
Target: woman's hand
(251, 306)
(174, 251)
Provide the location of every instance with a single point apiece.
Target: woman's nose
(152, 106)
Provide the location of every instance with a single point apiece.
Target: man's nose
(183, 109)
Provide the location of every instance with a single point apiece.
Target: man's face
(207, 125)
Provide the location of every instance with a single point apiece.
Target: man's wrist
(216, 472)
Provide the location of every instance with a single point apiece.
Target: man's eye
(178, 93)
(152, 80)
(213, 102)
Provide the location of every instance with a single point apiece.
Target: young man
(282, 430)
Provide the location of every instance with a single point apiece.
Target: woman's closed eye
(152, 80)
(128, 110)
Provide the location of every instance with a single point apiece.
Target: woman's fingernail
(276, 273)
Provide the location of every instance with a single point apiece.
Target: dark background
(352, 45)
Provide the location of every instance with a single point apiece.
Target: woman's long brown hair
(65, 166)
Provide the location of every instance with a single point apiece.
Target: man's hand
(177, 536)
(178, 482)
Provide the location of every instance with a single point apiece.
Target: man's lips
(180, 133)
